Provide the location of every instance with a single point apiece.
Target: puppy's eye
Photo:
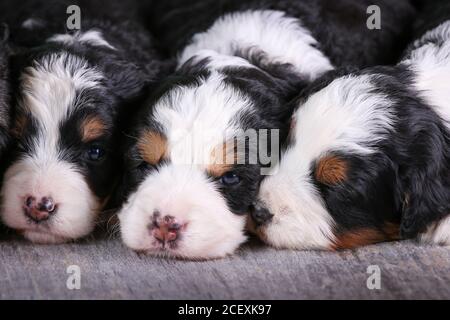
(230, 179)
(95, 153)
(144, 166)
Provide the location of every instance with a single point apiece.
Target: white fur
(185, 193)
(77, 207)
(282, 38)
(195, 121)
(219, 61)
(91, 37)
(438, 233)
(344, 116)
(49, 93)
(431, 65)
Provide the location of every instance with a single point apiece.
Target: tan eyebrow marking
(152, 146)
(92, 128)
(222, 159)
(331, 170)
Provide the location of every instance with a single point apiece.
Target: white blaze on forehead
(91, 37)
(282, 38)
(49, 90)
(345, 116)
(196, 119)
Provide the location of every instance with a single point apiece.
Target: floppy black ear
(426, 176)
(288, 81)
(127, 80)
(426, 203)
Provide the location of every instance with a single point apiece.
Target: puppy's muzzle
(259, 214)
(41, 210)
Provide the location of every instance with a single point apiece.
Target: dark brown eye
(230, 179)
(143, 166)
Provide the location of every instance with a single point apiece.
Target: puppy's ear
(426, 179)
(289, 82)
(426, 202)
(128, 80)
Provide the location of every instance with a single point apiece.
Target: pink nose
(165, 229)
(39, 211)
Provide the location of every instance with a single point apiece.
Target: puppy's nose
(165, 229)
(39, 210)
(260, 215)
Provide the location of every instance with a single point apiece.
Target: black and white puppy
(72, 90)
(194, 158)
(369, 156)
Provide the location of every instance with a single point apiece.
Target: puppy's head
(63, 168)
(193, 161)
(317, 198)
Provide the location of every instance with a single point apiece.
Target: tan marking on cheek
(153, 147)
(222, 159)
(331, 170)
(92, 128)
(366, 236)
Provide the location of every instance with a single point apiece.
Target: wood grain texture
(111, 271)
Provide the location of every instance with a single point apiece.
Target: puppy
(369, 155)
(196, 154)
(73, 89)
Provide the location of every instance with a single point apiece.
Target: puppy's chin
(43, 237)
(300, 220)
(75, 206)
(199, 238)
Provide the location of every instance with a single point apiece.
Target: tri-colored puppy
(369, 154)
(199, 149)
(72, 89)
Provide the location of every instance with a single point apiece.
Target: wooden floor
(111, 271)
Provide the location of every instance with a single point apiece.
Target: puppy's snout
(165, 229)
(39, 210)
(260, 215)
